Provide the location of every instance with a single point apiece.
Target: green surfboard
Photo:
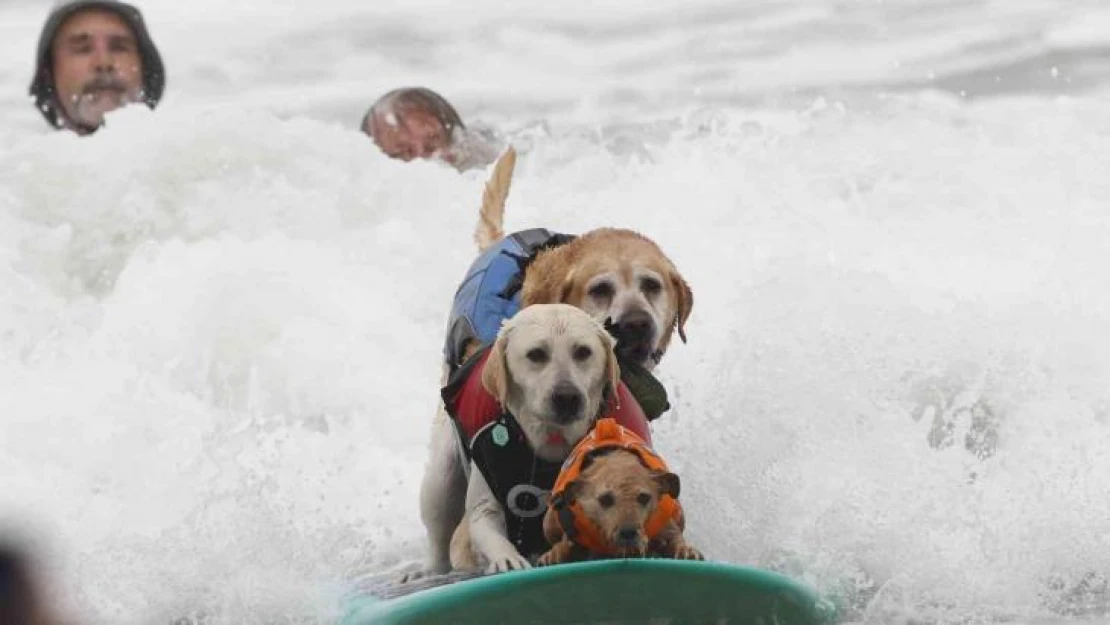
(609, 592)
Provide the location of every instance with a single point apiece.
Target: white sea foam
(220, 323)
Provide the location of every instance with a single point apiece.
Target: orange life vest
(578, 528)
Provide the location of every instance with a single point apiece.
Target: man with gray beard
(94, 56)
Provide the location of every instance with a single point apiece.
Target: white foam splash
(220, 323)
(221, 354)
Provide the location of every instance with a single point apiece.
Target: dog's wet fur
(619, 277)
(618, 494)
(551, 367)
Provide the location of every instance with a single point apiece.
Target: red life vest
(473, 407)
(496, 444)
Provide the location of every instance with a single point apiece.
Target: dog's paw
(426, 569)
(412, 576)
(686, 552)
(504, 564)
(549, 558)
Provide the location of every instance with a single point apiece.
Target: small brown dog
(614, 499)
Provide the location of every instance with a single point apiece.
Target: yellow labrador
(551, 368)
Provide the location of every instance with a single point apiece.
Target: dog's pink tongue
(556, 438)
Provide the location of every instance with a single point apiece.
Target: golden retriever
(618, 276)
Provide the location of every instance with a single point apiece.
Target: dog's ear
(612, 368)
(495, 375)
(668, 483)
(571, 492)
(552, 528)
(685, 302)
(552, 287)
(566, 288)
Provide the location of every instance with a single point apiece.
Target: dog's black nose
(628, 536)
(566, 401)
(634, 326)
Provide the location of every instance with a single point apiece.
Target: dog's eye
(582, 353)
(536, 355)
(606, 500)
(601, 290)
(643, 499)
(650, 286)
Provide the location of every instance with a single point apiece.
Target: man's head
(94, 57)
(412, 122)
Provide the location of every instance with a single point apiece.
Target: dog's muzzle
(635, 334)
(566, 403)
(629, 540)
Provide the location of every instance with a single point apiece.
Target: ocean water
(221, 322)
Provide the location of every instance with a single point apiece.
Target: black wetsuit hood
(42, 85)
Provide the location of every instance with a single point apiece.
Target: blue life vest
(490, 291)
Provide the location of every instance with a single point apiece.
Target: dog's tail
(491, 217)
